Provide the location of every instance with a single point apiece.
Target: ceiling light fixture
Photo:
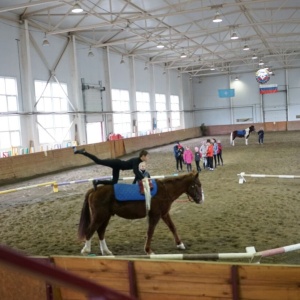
(217, 18)
(45, 41)
(236, 78)
(146, 66)
(234, 36)
(122, 60)
(261, 63)
(90, 54)
(254, 56)
(183, 55)
(77, 9)
(212, 68)
(160, 46)
(246, 47)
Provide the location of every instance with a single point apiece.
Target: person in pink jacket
(188, 157)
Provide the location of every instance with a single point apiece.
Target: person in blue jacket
(178, 154)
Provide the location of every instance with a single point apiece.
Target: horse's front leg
(167, 219)
(152, 222)
(246, 141)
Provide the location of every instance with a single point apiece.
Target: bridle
(193, 191)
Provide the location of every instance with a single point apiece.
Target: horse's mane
(177, 178)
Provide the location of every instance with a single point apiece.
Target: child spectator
(197, 159)
(210, 155)
(261, 134)
(219, 155)
(203, 150)
(188, 157)
(178, 154)
(215, 147)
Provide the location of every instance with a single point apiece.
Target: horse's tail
(85, 218)
(230, 138)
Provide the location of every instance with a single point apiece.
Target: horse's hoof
(85, 251)
(181, 246)
(107, 253)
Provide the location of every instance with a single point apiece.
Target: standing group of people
(210, 152)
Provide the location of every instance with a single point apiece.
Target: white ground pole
(251, 254)
(242, 176)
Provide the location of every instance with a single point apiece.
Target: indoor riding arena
(86, 86)
(262, 212)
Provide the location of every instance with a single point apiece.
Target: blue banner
(226, 93)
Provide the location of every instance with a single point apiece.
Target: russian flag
(226, 93)
(268, 88)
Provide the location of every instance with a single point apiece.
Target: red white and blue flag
(268, 88)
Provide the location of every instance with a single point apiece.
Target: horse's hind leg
(86, 248)
(101, 233)
(89, 233)
(167, 219)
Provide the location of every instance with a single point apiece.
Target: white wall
(248, 104)
(24, 58)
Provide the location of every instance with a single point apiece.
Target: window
(52, 101)
(144, 114)
(160, 103)
(10, 126)
(122, 120)
(175, 114)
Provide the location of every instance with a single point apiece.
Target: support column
(28, 88)
(79, 130)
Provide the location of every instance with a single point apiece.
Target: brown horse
(100, 205)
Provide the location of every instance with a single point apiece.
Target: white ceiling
(271, 29)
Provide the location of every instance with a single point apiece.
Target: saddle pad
(241, 133)
(131, 192)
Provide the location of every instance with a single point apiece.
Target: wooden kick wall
(162, 280)
(20, 167)
(174, 280)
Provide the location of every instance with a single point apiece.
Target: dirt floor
(263, 212)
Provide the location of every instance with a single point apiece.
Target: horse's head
(251, 128)
(194, 190)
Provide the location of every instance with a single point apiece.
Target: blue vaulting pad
(241, 133)
(131, 192)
